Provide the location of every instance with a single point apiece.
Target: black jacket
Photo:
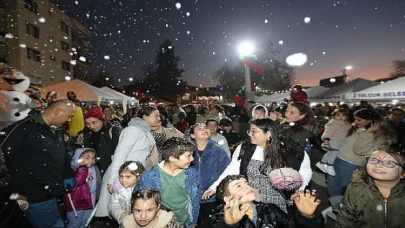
(36, 159)
(271, 216)
(106, 145)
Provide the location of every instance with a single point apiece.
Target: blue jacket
(151, 179)
(210, 165)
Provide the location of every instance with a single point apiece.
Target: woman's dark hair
(146, 111)
(274, 157)
(203, 110)
(303, 109)
(145, 194)
(217, 107)
(340, 111)
(385, 130)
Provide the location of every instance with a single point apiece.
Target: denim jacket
(211, 164)
(151, 179)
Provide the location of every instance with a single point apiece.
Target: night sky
(367, 34)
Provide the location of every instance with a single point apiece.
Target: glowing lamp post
(348, 67)
(246, 50)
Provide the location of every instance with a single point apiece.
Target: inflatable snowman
(14, 103)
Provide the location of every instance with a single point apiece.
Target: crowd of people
(197, 166)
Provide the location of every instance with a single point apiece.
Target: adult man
(36, 159)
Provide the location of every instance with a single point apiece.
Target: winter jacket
(135, 144)
(151, 179)
(210, 165)
(4, 176)
(271, 216)
(120, 201)
(165, 219)
(363, 206)
(355, 147)
(106, 145)
(36, 159)
(80, 194)
(336, 130)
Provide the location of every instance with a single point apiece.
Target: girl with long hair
(370, 131)
(266, 150)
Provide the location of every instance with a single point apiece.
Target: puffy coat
(364, 207)
(80, 194)
(271, 216)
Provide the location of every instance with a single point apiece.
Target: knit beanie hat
(96, 112)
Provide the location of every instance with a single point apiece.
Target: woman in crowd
(299, 124)
(202, 115)
(161, 134)
(370, 131)
(101, 136)
(135, 144)
(111, 116)
(266, 150)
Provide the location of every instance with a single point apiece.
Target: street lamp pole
(246, 50)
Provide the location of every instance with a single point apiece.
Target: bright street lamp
(348, 67)
(245, 49)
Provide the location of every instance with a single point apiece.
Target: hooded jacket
(80, 194)
(363, 206)
(266, 112)
(165, 219)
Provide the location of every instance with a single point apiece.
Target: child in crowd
(148, 213)
(81, 200)
(120, 202)
(241, 211)
(376, 196)
(220, 140)
(232, 137)
(259, 111)
(335, 132)
(177, 183)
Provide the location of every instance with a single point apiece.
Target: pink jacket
(80, 194)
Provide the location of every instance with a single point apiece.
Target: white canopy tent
(313, 91)
(389, 91)
(276, 97)
(125, 99)
(342, 92)
(84, 92)
(128, 98)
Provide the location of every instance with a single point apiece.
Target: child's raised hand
(233, 211)
(306, 202)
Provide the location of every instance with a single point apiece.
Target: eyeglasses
(253, 132)
(386, 163)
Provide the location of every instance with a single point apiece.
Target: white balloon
(297, 59)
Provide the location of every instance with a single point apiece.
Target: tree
(103, 78)
(398, 68)
(277, 75)
(166, 72)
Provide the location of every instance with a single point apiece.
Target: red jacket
(80, 194)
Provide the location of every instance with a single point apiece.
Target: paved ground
(318, 182)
